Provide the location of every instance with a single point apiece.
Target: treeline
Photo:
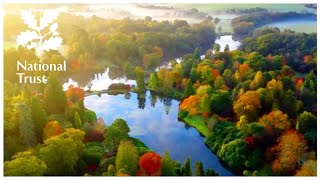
(246, 11)
(96, 43)
(244, 25)
(298, 49)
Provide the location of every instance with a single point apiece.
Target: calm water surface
(154, 121)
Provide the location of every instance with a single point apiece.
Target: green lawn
(196, 122)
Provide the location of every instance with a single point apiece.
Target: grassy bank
(197, 122)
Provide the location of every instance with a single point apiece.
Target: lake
(155, 122)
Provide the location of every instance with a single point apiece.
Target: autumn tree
(258, 81)
(309, 168)
(150, 164)
(275, 119)
(74, 94)
(51, 129)
(127, 158)
(275, 88)
(291, 148)
(24, 164)
(247, 105)
(54, 96)
(190, 104)
(242, 72)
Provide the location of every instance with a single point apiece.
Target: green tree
(216, 47)
(196, 54)
(277, 62)
(230, 151)
(60, 155)
(256, 61)
(39, 118)
(168, 83)
(186, 169)
(111, 170)
(226, 48)
(140, 78)
(153, 82)
(167, 168)
(77, 121)
(127, 157)
(306, 122)
(114, 133)
(220, 101)
(211, 172)
(199, 169)
(189, 90)
(54, 96)
(26, 126)
(24, 164)
(193, 74)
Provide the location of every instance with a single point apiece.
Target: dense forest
(256, 106)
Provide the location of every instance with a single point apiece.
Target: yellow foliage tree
(275, 119)
(247, 105)
(309, 168)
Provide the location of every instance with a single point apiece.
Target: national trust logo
(41, 36)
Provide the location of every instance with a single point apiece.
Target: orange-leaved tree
(150, 164)
(51, 129)
(74, 94)
(292, 147)
(190, 104)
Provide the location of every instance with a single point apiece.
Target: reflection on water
(100, 82)
(153, 120)
(224, 40)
